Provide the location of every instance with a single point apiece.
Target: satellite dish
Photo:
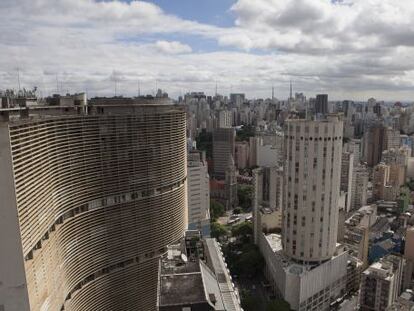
(184, 257)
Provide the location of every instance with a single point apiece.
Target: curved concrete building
(93, 199)
(313, 151)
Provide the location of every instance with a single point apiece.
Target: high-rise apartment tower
(312, 181)
(91, 197)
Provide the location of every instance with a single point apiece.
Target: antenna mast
(18, 78)
(57, 84)
(139, 89)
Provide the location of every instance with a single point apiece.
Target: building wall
(13, 285)
(359, 187)
(312, 182)
(301, 288)
(254, 143)
(97, 197)
(374, 144)
(267, 155)
(198, 194)
(225, 119)
(223, 148)
(347, 169)
(242, 155)
(267, 200)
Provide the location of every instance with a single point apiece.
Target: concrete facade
(267, 200)
(347, 169)
(13, 284)
(313, 150)
(223, 149)
(198, 193)
(304, 287)
(98, 197)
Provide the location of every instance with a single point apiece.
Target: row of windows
(315, 139)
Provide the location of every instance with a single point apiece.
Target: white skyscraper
(347, 169)
(305, 264)
(225, 119)
(312, 179)
(198, 193)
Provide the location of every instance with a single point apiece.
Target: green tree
(245, 132)
(251, 260)
(217, 230)
(248, 301)
(216, 210)
(205, 143)
(410, 184)
(242, 230)
(278, 305)
(245, 196)
(236, 211)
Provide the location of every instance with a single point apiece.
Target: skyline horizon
(349, 49)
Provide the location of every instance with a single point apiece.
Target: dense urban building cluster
(145, 203)
(332, 193)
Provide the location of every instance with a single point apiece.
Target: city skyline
(349, 49)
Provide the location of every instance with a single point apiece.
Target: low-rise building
(304, 287)
(198, 193)
(193, 276)
(381, 283)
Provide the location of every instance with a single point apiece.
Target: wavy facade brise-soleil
(99, 197)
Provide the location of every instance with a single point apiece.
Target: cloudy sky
(350, 49)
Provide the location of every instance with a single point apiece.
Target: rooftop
(184, 282)
(173, 287)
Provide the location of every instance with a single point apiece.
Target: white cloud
(324, 26)
(352, 48)
(172, 47)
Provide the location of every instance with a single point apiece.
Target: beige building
(198, 192)
(380, 180)
(381, 283)
(392, 139)
(91, 196)
(305, 265)
(223, 149)
(360, 178)
(409, 256)
(347, 169)
(267, 200)
(313, 150)
(225, 119)
(374, 144)
(242, 154)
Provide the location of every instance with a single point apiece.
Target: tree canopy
(245, 132)
(205, 143)
(278, 305)
(242, 229)
(216, 210)
(245, 197)
(218, 230)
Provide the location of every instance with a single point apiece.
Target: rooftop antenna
(18, 78)
(306, 110)
(273, 92)
(57, 84)
(139, 89)
(216, 88)
(114, 78)
(291, 90)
